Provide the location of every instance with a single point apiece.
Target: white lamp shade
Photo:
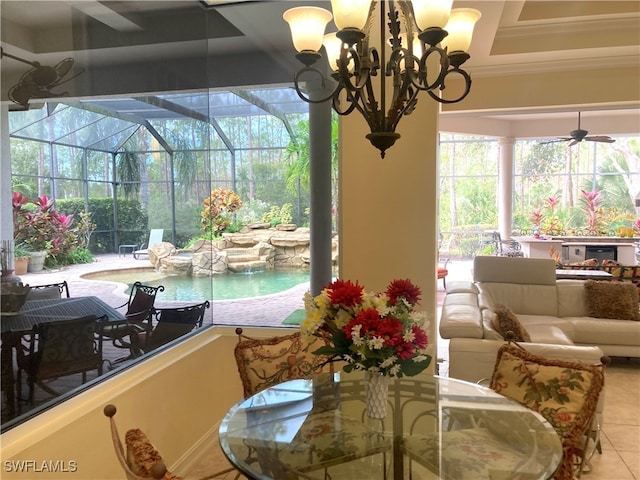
(460, 28)
(350, 13)
(332, 46)
(307, 26)
(431, 13)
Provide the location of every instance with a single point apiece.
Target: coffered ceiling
(136, 47)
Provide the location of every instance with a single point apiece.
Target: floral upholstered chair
(564, 393)
(265, 362)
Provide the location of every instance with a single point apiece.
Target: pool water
(219, 287)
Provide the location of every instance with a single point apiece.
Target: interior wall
(388, 207)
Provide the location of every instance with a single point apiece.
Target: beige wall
(388, 207)
(177, 397)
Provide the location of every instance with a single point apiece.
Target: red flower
(420, 337)
(403, 289)
(345, 293)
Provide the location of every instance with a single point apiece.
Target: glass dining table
(435, 428)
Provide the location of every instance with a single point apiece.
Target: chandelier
(440, 38)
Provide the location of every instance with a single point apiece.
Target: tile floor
(620, 459)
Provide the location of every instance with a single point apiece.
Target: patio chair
(172, 323)
(139, 315)
(506, 248)
(58, 349)
(49, 291)
(155, 236)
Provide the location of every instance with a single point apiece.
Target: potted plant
(21, 258)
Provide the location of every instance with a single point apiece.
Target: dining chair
(141, 460)
(265, 362)
(565, 393)
(139, 315)
(58, 349)
(49, 291)
(172, 323)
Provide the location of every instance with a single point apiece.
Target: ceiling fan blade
(574, 142)
(600, 138)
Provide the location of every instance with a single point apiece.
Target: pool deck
(265, 311)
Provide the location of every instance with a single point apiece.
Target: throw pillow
(505, 321)
(617, 300)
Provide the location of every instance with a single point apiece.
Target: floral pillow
(618, 300)
(505, 321)
(564, 393)
(142, 456)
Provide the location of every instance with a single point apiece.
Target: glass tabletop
(435, 427)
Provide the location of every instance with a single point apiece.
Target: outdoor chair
(140, 460)
(58, 349)
(443, 260)
(139, 315)
(506, 248)
(49, 291)
(564, 393)
(155, 236)
(172, 323)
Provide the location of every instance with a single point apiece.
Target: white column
(6, 194)
(505, 187)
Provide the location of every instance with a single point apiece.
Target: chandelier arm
(364, 66)
(419, 80)
(352, 98)
(296, 84)
(467, 88)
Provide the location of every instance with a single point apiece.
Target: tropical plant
(218, 207)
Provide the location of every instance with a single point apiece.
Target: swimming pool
(220, 287)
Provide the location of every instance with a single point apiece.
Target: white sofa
(554, 313)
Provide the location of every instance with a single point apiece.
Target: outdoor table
(35, 312)
(259, 434)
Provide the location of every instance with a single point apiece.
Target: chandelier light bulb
(332, 45)
(431, 13)
(307, 26)
(350, 13)
(460, 28)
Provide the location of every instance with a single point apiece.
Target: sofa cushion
(548, 334)
(490, 333)
(618, 300)
(572, 299)
(526, 299)
(602, 331)
(562, 323)
(460, 321)
(505, 321)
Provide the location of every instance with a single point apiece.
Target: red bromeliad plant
(592, 202)
(41, 228)
(379, 333)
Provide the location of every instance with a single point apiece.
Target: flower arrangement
(374, 332)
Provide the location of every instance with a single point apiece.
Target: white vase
(376, 393)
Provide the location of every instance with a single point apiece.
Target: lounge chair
(155, 236)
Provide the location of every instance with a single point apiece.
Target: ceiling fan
(578, 135)
(39, 81)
